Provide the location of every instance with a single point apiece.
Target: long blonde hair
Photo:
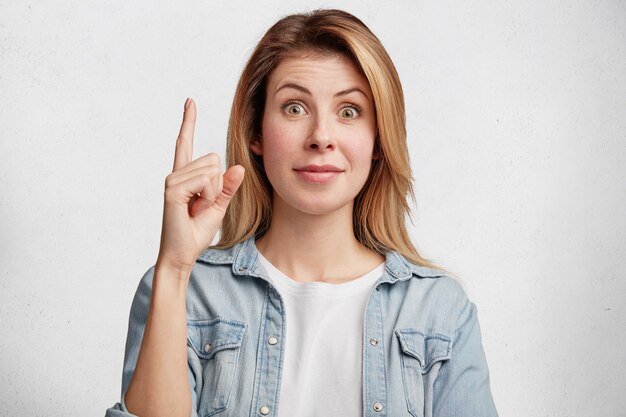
(381, 206)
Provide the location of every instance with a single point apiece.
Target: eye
(294, 108)
(349, 112)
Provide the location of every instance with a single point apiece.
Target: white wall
(517, 122)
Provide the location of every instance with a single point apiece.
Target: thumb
(232, 179)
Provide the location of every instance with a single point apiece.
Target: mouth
(318, 174)
(319, 168)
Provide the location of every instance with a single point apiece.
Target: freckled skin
(317, 127)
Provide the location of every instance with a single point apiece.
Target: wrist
(174, 271)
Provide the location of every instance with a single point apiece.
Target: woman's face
(318, 133)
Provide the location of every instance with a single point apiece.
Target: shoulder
(219, 256)
(433, 282)
(441, 291)
(431, 296)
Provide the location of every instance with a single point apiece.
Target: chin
(318, 205)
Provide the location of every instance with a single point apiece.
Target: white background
(517, 127)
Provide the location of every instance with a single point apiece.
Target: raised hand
(196, 197)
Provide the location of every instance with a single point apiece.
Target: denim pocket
(422, 355)
(217, 344)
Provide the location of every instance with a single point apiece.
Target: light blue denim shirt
(422, 351)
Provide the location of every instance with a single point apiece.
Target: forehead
(320, 72)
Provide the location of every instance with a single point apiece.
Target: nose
(320, 137)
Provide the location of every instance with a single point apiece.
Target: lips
(318, 174)
(320, 168)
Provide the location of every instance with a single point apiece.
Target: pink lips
(318, 174)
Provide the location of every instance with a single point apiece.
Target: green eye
(349, 112)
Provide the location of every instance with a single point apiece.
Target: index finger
(184, 142)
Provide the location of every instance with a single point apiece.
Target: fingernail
(187, 103)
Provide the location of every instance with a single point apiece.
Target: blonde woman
(314, 302)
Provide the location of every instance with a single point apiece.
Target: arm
(159, 385)
(462, 386)
(196, 198)
(140, 311)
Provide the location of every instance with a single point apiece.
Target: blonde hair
(381, 206)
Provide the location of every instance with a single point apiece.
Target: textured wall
(517, 121)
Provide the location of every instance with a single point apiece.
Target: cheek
(277, 140)
(361, 151)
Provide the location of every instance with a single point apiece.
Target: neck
(311, 248)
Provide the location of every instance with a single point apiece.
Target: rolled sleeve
(118, 410)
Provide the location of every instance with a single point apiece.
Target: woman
(314, 301)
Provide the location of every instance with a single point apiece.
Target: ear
(256, 147)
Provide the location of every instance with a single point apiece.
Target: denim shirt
(422, 351)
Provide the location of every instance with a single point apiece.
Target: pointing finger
(184, 142)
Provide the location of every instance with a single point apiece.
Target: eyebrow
(307, 91)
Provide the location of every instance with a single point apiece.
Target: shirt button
(265, 410)
(378, 407)
(373, 341)
(272, 340)
(207, 347)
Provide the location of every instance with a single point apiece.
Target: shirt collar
(244, 258)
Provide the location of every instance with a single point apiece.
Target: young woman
(314, 302)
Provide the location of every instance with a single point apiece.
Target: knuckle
(169, 194)
(214, 158)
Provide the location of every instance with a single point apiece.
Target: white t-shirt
(322, 369)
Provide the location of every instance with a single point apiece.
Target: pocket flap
(207, 337)
(427, 349)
